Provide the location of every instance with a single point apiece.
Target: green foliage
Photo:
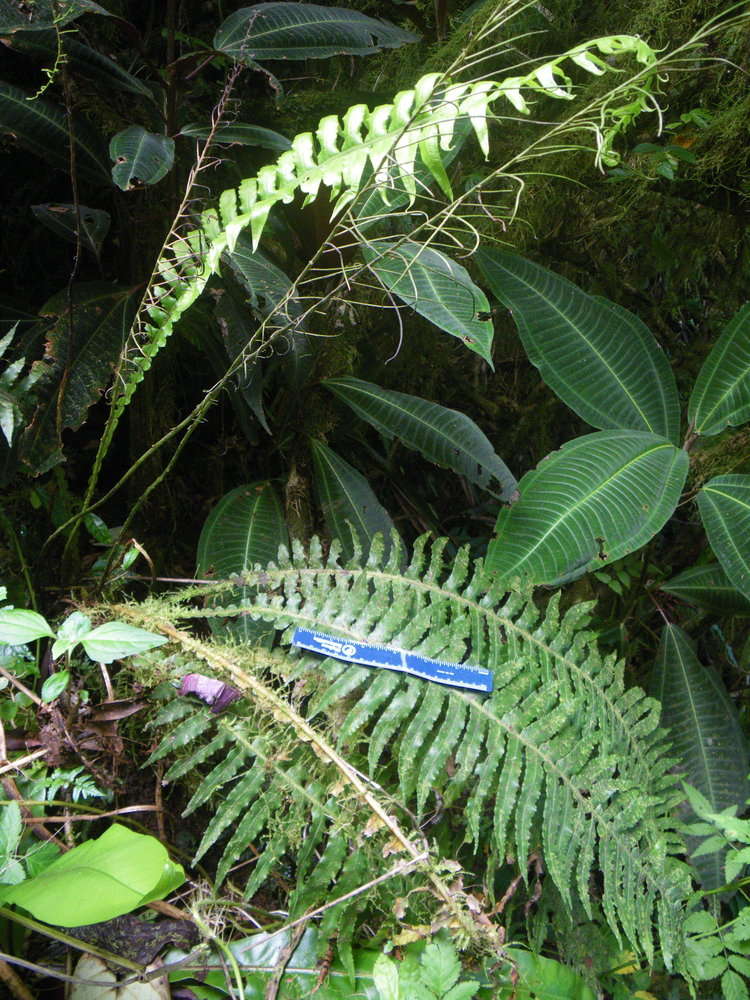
(721, 395)
(246, 527)
(715, 951)
(724, 503)
(447, 437)
(538, 757)
(705, 732)
(434, 978)
(599, 359)
(98, 880)
(436, 287)
(600, 497)
(304, 31)
(708, 587)
(352, 511)
(140, 157)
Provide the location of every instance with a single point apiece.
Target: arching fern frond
(560, 758)
(420, 122)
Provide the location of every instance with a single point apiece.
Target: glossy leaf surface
(708, 587)
(304, 31)
(705, 732)
(724, 503)
(100, 879)
(437, 288)
(721, 396)
(348, 502)
(600, 359)
(141, 157)
(596, 499)
(243, 530)
(444, 436)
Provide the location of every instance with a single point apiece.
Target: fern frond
(561, 757)
(389, 138)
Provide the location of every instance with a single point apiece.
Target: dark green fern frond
(561, 757)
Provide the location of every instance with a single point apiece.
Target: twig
(21, 687)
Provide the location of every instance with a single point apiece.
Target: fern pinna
(561, 758)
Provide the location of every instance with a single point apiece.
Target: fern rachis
(548, 757)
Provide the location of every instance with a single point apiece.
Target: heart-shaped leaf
(98, 880)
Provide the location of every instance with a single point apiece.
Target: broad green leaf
(724, 503)
(63, 220)
(708, 587)
(446, 437)
(11, 830)
(115, 640)
(267, 286)
(600, 359)
(18, 626)
(241, 133)
(704, 730)
(42, 14)
(98, 880)
(82, 60)
(385, 977)
(70, 633)
(80, 370)
(245, 529)
(437, 288)
(42, 127)
(546, 979)
(721, 395)
(54, 686)
(595, 500)
(348, 502)
(140, 157)
(304, 31)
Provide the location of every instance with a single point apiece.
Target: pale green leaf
(98, 880)
(447, 437)
(724, 503)
(385, 977)
(436, 287)
(595, 500)
(596, 356)
(733, 986)
(115, 640)
(18, 626)
(721, 395)
(54, 686)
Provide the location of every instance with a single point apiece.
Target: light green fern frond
(560, 758)
(419, 123)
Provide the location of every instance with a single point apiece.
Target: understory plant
(368, 803)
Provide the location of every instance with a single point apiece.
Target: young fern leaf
(420, 122)
(561, 757)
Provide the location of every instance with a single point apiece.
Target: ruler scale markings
(369, 655)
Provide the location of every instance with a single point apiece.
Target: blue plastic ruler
(366, 655)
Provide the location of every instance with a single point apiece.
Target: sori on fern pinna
(560, 759)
